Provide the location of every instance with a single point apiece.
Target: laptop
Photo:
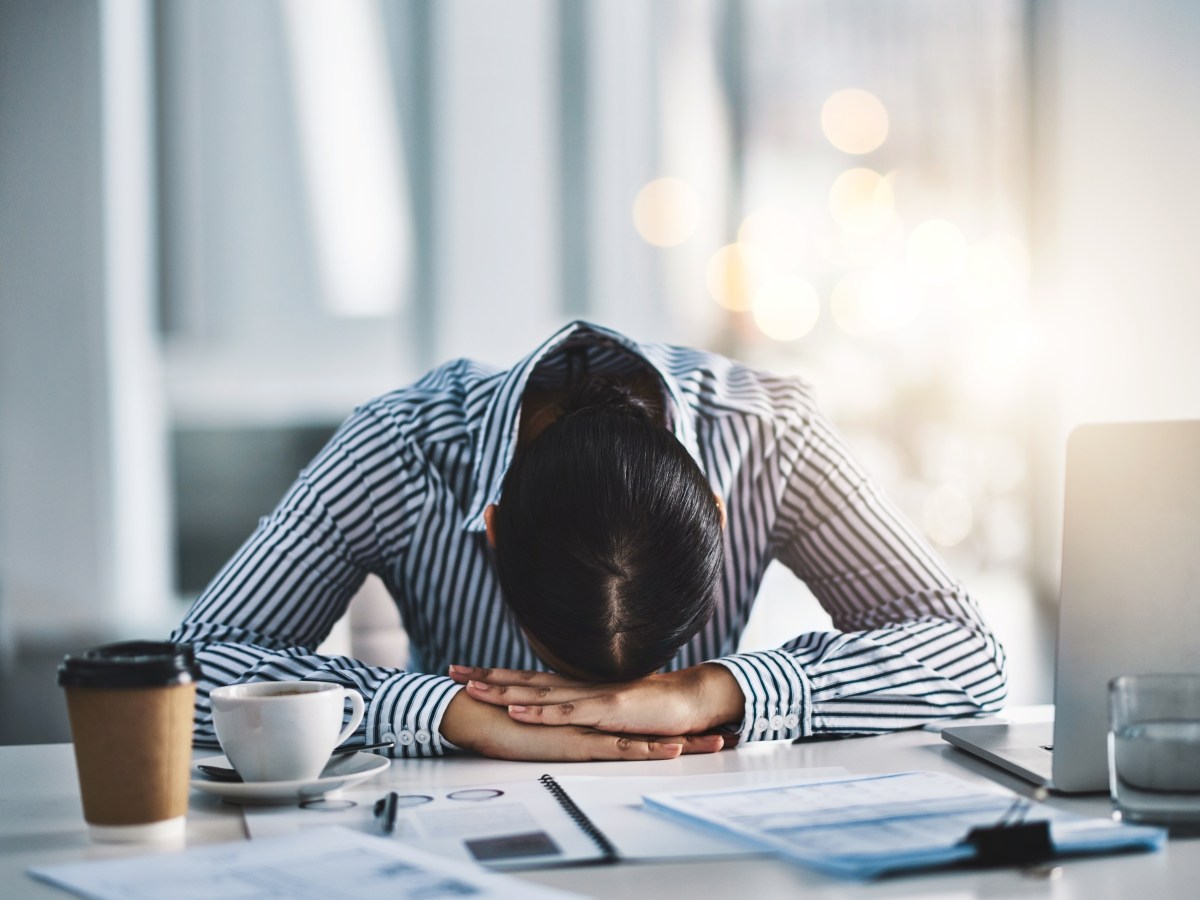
(1129, 599)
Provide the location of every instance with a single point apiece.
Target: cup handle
(356, 714)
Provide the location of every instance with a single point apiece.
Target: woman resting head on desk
(575, 545)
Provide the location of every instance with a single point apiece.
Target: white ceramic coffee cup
(282, 730)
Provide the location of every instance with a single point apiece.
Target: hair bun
(605, 394)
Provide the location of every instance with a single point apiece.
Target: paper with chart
(615, 806)
(866, 826)
(315, 865)
(503, 826)
(518, 825)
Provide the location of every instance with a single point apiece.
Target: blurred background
(223, 224)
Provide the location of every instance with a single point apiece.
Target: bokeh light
(947, 515)
(900, 181)
(866, 303)
(1007, 463)
(861, 201)
(735, 273)
(848, 250)
(936, 252)
(997, 270)
(854, 121)
(1001, 359)
(848, 309)
(786, 308)
(666, 212)
(779, 233)
(1010, 347)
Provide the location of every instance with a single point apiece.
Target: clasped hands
(513, 714)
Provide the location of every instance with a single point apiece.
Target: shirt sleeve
(910, 644)
(280, 595)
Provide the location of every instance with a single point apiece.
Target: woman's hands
(537, 715)
(488, 730)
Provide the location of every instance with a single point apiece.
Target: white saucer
(341, 772)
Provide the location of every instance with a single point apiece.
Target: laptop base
(1022, 749)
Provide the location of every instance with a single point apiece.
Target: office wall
(82, 481)
(1117, 272)
(1120, 133)
(50, 302)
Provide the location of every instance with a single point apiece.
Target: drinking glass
(1154, 749)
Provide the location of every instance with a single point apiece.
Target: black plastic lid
(129, 664)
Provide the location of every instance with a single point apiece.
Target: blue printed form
(870, 826)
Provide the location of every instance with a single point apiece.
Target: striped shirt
(400, 492)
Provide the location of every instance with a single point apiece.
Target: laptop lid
(1130, 592)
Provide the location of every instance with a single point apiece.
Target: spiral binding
(580, 818)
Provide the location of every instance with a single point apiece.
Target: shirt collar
(499, 418)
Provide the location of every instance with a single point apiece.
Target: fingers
(617, 746)
(600, 746)
(692, 743)
(588, 711)
(507, 695)
(490, 731)
(689, 743)
(508, 677)
(703, 743)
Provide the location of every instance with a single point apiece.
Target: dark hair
(608, 537)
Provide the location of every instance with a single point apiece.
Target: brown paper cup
(133, 747)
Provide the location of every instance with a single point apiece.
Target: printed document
(869, 825)
(523, 825)
(315, 865)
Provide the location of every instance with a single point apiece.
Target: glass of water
(1154, 749)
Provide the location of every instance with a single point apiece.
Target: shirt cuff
(408, 710)
(778, 695)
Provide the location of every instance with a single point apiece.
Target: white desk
(41, 822)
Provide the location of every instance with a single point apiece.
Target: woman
(575, 544)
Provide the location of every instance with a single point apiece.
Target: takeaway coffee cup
(283, 730)
(131, 706)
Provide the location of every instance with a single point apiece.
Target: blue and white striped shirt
(400, 492)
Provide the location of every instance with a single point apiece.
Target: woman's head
(608, 537)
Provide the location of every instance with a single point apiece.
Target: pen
(385, 812)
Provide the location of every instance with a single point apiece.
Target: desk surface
(41, 822)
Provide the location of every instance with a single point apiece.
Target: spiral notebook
(530, 824)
